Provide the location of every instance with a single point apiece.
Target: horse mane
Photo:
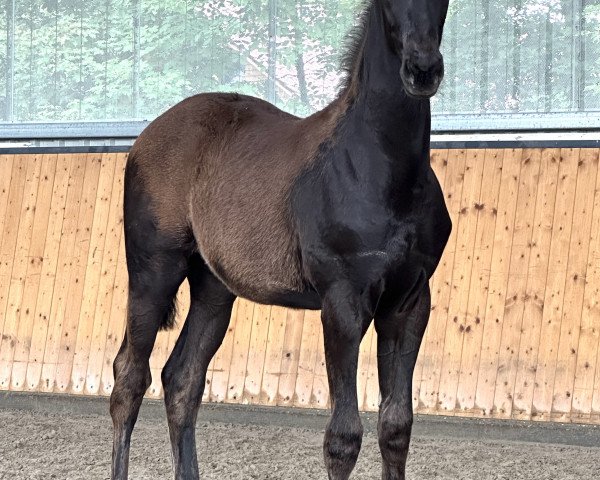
(353, 46)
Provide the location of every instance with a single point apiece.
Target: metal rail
(453, 141)
(456, 124)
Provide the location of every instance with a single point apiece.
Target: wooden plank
(456, 321)
(364, 356)
(372, 397)
(589, 348)
(571, 320)
(46, 290)
(433, 349)
(41, 316)
(102, 311)
(536, 284)
(93, 274)
(208, 379)
(496, 295)
(273, 353)
(239, 360)
(117, 309)
(6, 170)
(165, 341)
(18, 272)
(157, 361)
(34, 261)
(183, 308)
(256, 354)
(320, 390)
(595, 411)
(555, 287)
(62, 373)
(117, 319)
(222, 361)
(439, 163)
(480, 277)
(307, 359)
(291, 356)
(10, 233)
(63, 271)
(10, 203)
(516, 290)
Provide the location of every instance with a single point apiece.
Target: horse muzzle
(422, 74)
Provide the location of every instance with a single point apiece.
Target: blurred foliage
(75, 59)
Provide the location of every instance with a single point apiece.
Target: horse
(339, 211)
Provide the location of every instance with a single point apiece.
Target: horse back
(221, 167)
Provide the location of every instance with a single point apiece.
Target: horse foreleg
(184, 375)
(344, 323)
(398, 341)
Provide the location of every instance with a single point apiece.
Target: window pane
(82, 60)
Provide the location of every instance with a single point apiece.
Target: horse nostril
(419, 62)
(426, 68)
(425, 62)
(418, 69)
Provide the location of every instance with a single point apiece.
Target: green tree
(132, 59)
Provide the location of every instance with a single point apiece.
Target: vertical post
(548, 65)
(485, 56)
(32, 99)
(577, 56)
(185, 49)
(55, 101)
(106, 35)
(272, 53)
(453, 57)
(516, 66)
(10, 60)
(299, 47)
(135, 94)
(80, 85)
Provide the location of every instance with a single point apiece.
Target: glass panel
(83, 60)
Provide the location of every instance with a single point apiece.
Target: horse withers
(339, 211)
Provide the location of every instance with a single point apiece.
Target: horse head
(414, 30)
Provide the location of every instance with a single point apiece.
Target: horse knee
(394, 432)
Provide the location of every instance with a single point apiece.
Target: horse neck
(378, 101)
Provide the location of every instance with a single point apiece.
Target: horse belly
(250, 247)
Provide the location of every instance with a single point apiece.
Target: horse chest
(361, 239)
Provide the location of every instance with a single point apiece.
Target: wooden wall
(515, 323)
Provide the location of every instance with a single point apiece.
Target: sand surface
(42, 446)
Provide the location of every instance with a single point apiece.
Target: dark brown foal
(339, 211)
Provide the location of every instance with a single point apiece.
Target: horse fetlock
(183, 449)
(394, 440)
(341, 448)
(393, 472)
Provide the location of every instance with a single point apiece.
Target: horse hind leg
(184, 375)
(150, 307)
(156, 265)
